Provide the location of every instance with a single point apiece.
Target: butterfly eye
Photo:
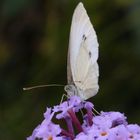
(68, 88)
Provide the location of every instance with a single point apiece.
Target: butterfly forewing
(83, 53)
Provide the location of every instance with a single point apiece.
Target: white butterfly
(82, 67)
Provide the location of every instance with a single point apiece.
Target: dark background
(34, 38)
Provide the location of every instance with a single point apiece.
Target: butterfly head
(71, 90)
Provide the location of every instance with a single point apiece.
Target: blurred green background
(34, 38)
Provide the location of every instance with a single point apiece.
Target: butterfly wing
(83, 54)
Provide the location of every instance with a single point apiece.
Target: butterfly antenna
(40, 86)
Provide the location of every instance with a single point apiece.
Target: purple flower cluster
(104, 126)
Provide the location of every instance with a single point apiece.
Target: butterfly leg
(62, 98)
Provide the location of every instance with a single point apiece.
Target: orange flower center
(103, 133)
(50, 138)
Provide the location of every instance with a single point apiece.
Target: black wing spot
(84, 37)
(90, 54)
